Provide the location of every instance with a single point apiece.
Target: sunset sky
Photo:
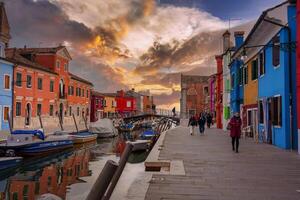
(141, 44)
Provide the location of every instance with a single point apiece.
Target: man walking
(201, 122)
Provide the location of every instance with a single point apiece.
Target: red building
(97, 107)
(219, 91)
(126, 105)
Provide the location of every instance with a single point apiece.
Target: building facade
(194, 92)
(212, 94)
(228, 51)
(109, 105)
(126, 104)
(97, 108)
(219, 91)
(267, 61)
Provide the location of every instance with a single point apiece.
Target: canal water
(69, 174)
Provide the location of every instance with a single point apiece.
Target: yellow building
(250, 93)
(109, 105)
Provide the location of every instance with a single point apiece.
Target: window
(39, 109)
(254, 69)
(276, 111)
(49, 180)
(82, 94)
(205, 90)
(246, 75)
(51, 110)
(7, 82)
(66, 67)
(51, 86)
(5, 113)
(58, 64)
(232, 80)
(261, 63)
(128, 104)
(40, 83)
(261, 112)
(25, 192)
(87, 94)
(15, 196)
(37, 188)
(240, 77)
(28, 81)
(79, 92)
(72, 90)
(18, 108)
(19, 79)
(276, 51)
(78, 112)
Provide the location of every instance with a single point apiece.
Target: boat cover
(102, 126)
(39, 133)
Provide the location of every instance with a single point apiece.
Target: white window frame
(128, 104)
(7, 89)
(17, 72)
(31, 85)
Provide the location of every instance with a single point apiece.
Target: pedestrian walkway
(214, 171)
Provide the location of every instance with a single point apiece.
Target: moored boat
(84, 137)
(9, 162)
(140, 145)
(33, 143)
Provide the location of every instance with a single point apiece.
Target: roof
(12, 55)
(258, 25)
(77, 78)
(109, 94)
(97, 93)
(44, 50)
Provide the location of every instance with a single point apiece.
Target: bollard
(99, 188)
(118, 173)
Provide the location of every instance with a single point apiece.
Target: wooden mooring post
(99, 188)
(75, 123)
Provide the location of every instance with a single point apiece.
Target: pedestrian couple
(234, 126)
(195, 121)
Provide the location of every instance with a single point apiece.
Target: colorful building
(194, 92)
(109, 105)
(212, 94)
(6, 74)
(97, 107)
(298, 72)
(228, 51)
(126, 104)
(138, 99)
(271, 61)
(219, 91)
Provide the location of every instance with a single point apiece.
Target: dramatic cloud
(118, 44)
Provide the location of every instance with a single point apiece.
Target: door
(269, 122)
(27, 114)
(255, 123)
(61, 112)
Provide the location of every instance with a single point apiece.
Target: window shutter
(279, 111)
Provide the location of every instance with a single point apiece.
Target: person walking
(235, 131)
(192, 124)
(209, 119)
(201, 122)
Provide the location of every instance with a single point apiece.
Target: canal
(69, 174)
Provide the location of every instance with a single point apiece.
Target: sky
(141, 44)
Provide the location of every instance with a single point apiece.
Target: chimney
(239, 38)
(226, 40)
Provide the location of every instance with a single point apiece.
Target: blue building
(236, 77)
(6, 74)
(269, 42)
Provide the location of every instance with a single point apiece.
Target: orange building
(55, 92)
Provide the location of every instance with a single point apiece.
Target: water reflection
(68, 175)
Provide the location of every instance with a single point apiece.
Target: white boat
(104, 128)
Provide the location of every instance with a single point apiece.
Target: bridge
(136, 118)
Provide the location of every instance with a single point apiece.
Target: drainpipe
(12, 98)
(290, 79)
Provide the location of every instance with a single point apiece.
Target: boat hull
(39, 148)
(8, 162)
(84, 139)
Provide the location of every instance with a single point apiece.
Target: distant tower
(4, 26)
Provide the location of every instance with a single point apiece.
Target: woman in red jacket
(235, 131)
